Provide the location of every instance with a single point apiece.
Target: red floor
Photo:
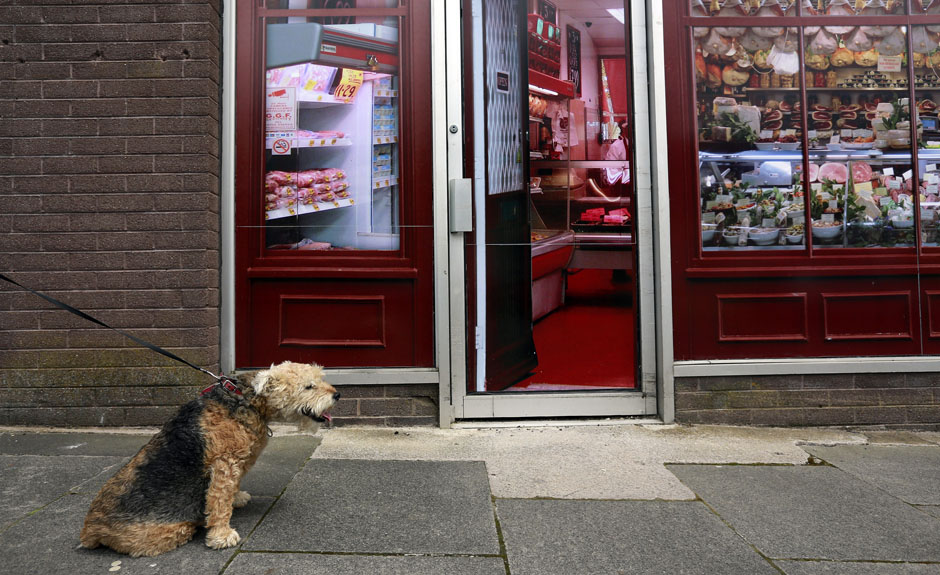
(590, 340)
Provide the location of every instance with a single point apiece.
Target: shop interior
(581, 204)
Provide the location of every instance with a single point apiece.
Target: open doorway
(554, 282)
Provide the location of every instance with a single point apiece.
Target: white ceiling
(605, 30)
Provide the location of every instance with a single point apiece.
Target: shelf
(384, 182)
(837, 155)
(318, 100)
(837, 89)
(384, 140)
(308, 209)
(296, 142)
(542, 81)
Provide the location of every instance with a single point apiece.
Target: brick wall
(387, 405)
(897, 400)
(109, 167)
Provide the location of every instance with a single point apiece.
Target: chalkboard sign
(547, 11)
(574, 59)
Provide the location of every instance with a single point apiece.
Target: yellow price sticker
(349, 85)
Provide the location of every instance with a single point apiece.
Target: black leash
(225, 382)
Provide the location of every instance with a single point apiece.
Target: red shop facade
(803, 191)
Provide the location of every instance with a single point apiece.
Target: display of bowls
(730, 237)
(765, 146)
(796, 239)
(901, 224)
(763, 236)
(788, 145)
(708, 233)
(827, 232)
(900, 143)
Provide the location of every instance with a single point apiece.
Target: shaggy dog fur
(188, 475)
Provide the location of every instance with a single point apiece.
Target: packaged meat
(823, 44)
(813, 172)
(858, 41)
(279, 177)
(892, 44)
(842, 57)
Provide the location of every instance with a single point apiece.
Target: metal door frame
(456, 403)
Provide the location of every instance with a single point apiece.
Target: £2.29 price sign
(349, 85)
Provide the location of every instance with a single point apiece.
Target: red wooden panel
(332, 321)
(932, 297)
(336, 323)
(762, 317)
(867, 316)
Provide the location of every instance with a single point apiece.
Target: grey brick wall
(896, 400)
(109, 201)
(387, 405)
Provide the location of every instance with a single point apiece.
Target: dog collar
(226, 384)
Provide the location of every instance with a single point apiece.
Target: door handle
(461, 204)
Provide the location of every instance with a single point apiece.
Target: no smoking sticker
(281, 147)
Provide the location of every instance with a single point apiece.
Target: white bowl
(902, 224)
(708, 235)
(763, 236)
(798, 239)
(731, 240)
(788, 145)
(827, 233)
(765, 146)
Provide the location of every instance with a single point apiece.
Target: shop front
(446, 193)
(803, 158)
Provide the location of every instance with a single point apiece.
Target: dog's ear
(261, 380)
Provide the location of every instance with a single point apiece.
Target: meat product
(840, 8)
(788, 42)
(734, 76)
(813, 172)
(858, 40)
(821, 116)
(732, 9)
(823, 43)
(870, 116)
(892, 44)
(772, 125)
(753, 42)
(773, 116)
(842, 57)
(786, 106)
(861, 172)
(848, 115)
(760, 60)
(923, 42)
(849, 108)
(868, 58)
(870, 106)
(817, 61)
(819, 108)
(822, 125)
(846, 124)
(768, 11)
(700, 70)
(713, 80)
(925, 106)
(834, 172)
(715, 44)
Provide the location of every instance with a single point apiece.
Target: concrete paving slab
(353, 506)
(814, 512)
(648, 537)
(909, 472)
(930, 509)
(31, 443)
(855, 568)
(278, 463)
(897, 438)
(599, 462)
(316, 564)
(46, 542)
(28, 482)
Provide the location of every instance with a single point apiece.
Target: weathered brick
(73, 15)
(127, 14)
(69, 127)
(69, 89)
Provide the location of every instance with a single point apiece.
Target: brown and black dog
(189, 474)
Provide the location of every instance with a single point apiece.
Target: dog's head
(296, 392)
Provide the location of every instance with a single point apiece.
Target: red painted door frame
(395, 287)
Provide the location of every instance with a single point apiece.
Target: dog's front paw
(241, 499)
(222, 537)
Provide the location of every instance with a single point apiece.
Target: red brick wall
(109, 201)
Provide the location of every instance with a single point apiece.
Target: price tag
(349, 85)
(828, 218)
(881, 191)
(711, 204)
(811, 134)
(766, 134)
(846, 133)
(834, 139)
(908, 174)
(815, 187)
(833, 204)
(931, 167)
(767, 222)
(789, 132)
(863, 187)
(797, 217)
(885, 201)
(932, 188)
(723, 198)
(825, 196)
(708, 218)
(888, 171)
(894, 184)
(933, 179)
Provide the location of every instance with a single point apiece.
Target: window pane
(738, 8)
(926, 60)
(331, 136)
(859, 129)
(750, 138)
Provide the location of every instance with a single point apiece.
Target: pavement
(584, 499)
